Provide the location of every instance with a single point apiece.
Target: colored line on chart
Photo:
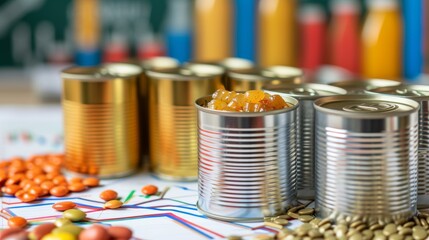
(130, 195)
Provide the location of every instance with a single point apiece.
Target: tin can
(101, 129)
(155, 63)
(366, 155)
(362, 86)
(306, 93)
(246, 162)
(172, 119)
(255, 78)
(419, 93)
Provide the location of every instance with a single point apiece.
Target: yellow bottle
(277, 33)
(382, 40)
(213, 23)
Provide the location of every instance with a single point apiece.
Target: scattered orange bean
(59, 179)
(27, 197)
(108, 195)
(149, 189)
(17, 222)
(91, 182)
(36, 190)
(59, 191)
(113, 204)
(76, 179)
(10, 189)
(47, 185)
(65, 205)
(39, 179)
(77, 187)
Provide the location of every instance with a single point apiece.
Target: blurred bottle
(87, 32)
(344, 39)
(213, 22)
(413, 38)
(276, 25)
(312, 31)
(245, 29)
(179, 30)
(149, 46)
(382, 40)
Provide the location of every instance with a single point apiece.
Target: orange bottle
(212, 39)
(382, 40)
(276, 22)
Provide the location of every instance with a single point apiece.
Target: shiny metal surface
(246, 162)
(306, 93)
(361, 86)
(255, 78)
(419, 93)
(366, 157)
(173, 119)
(101, 129)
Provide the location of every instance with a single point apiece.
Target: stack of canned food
(353, 146)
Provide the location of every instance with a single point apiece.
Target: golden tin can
(173, 119)
(100, 107)
(156, 63)
(255, 78)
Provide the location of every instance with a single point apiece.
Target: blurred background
(330, 39)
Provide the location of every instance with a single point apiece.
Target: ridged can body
(173, 119)
(364, 85)
(246, 162)
(156, 63)
(366, 157)
(419, 93)
(256, 78)
(101, 124)
(306, 93)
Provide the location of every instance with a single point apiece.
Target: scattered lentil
(63, 206)
(113, 204)
(17, 222)
(74, 215)
(108, 195)
(150, 190)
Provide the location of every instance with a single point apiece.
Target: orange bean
(59, 191)
(65, 205)
(27, 197)
(10, 189)
(91, 182)
(36, 190)
(149, 189)
(76, 179)
(24, 183)
(77, 187)
(52, 175)
(47, 185)
(59, 179)
(35, 171)
(47, 168)
(39, 179)
(113, 204)
(19, 193)
(3, 177)
(17, 222)
(15, 179)
(108, 195)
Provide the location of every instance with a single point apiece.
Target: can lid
(415, 92)
(160, 63)
(307, 90)
(366, 106)
(280, 71)
(105, 72)
(251, 74)
(236, 63)
(364, 84)
(196, 72)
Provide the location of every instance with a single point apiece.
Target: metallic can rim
(393, 91)
(250, 75)
(318, 105)
(228, 219)
(236, 63)
(201, 102)
(110, 71)
(185, 74)
(160, 63)
(282, 71)
(365, 84)
(287, 89)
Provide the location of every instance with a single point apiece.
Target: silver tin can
(419, 93)
(362, 86)
(246, 162)
(306, 93)
(366, 157)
